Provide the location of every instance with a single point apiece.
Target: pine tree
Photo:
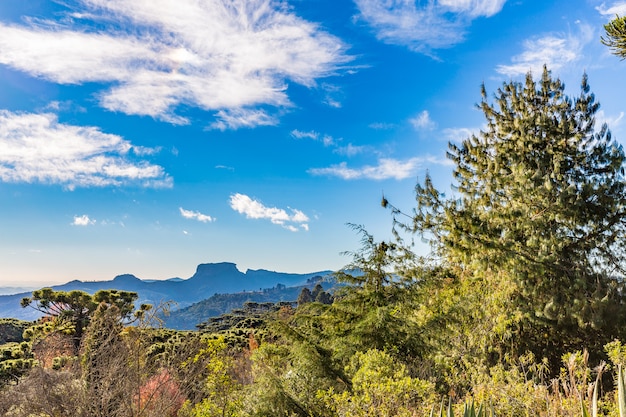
(541, 203)
(615, 39)
(305, 296)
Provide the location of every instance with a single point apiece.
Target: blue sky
(149, 136)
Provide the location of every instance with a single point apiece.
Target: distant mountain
(209, 279)
(187, 318)
(15, 290)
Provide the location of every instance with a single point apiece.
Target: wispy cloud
(225, 167)
(381, 126)
(145, 151)
(333, 95)
(617, 8)
(36, 148)
(83, 220)
(195, 215)
(387, 168)
(217, 55)
(351, 150)
(254, 209)
(553, 50)
(326, 139)
(613, 122)
(422, 121)
(424, 26)
(242, 118)
(299, 134)
(458, 134)
(330, 142)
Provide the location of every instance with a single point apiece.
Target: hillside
(209, 279)
(187, 318)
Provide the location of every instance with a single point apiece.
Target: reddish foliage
(161, 395)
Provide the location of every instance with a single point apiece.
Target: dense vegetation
(519, 307)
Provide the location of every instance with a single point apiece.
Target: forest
(517, 310)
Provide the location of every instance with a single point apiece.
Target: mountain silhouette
(208, 280)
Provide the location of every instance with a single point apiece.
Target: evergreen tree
(615, 39)
(305, 296)
(324, 297)
(541, 205)
(367, 312)
(72, 310)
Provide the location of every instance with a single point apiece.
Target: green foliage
(223, 389)
(616, 352)
(70, 312)
(240, 323)
(615, 32)
(368, 311)
(15, 360)
(381, 387)
(286, 378)
(539, 208)
(12, 330)
(469, 410)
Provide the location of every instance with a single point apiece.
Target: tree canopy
(72, 310)
(540, 204)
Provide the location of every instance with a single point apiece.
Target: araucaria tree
(615, 39)
(71, 312)
(540, 214)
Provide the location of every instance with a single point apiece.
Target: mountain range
(208, 280)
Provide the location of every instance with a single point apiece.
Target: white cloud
(618, 8)
(299, 134)
(242, 118)
(458, 134)
(474, 8)
(381, 126)
(613, 122)
(422, 121)
(217, 55)
(83, 220)
(225, 167)
(36, 148)
(350, 150)
(329, 141)
(387, 168)
(254, 209)
(326, 139)
(424, 26)
(332, 95)
(195, 215)
(145, 151)
(554, 50)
